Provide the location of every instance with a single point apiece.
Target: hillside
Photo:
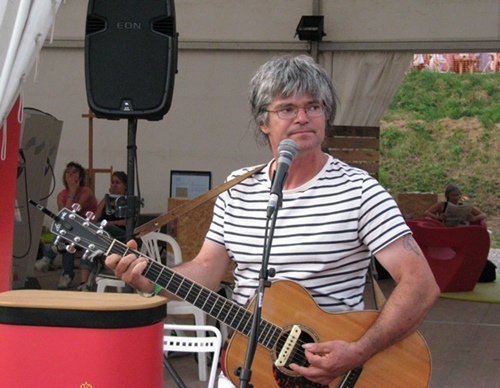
(442, 128)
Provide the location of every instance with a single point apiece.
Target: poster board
(190, 229)
(189, 184)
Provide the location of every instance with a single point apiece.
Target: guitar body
(405, 364)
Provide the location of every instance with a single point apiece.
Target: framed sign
(189, 184)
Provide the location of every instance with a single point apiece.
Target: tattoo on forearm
(410, 244)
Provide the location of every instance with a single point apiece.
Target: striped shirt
(325, 232)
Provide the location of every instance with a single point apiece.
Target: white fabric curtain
(366, 83)
(24, 24)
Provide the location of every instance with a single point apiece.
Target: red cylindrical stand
(80, 345)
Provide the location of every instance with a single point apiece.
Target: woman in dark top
(453, 195)
(118, 186)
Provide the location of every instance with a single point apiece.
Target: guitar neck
(210, 302)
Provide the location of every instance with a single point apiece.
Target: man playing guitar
(333, 218)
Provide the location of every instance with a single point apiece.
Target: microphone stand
(245, 373)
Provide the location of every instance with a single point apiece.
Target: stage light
(310, 28)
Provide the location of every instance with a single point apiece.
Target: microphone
(287, 150)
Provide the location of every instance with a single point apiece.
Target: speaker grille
(130, 58)
(94, 25)
(165, 26)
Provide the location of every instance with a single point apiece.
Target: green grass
(430, 96)
(442, 128)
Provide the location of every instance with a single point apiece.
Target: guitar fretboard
(215, 305)
(210, 302)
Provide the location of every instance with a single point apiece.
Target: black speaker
(130, 58)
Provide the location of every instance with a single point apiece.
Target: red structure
(457, 255)
(8, 175)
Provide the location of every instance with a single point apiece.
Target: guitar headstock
(79, 231)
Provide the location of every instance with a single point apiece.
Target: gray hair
(450, 188)
(285, 76)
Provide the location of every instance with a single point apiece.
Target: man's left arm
(412, 298)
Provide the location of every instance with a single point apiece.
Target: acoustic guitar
(290, 317)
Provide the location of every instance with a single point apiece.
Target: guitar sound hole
(284, 376)
(297, 355)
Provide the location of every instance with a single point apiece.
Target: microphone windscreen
(288, 145)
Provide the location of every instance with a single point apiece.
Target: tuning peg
(90, 216)
(76, 207)
(58, 245)
(101, 227)
(71, 248)
(89, 254)
(85, 255)
(55, 244)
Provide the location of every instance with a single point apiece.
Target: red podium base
(84, 340)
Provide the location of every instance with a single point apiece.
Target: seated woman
(75, 192)
(115, 225)
(118, 186)
(453, 195)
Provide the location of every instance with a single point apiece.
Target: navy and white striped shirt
(325, 232)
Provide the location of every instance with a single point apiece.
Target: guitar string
(178, 281)
(120, 248)
(114, 247)
(298, 354)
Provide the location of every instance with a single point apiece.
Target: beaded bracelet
(155, 292)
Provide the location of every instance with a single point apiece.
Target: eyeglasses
(290, 112)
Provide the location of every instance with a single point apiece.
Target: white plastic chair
(152, 248)
(195, 344)
(105, 278)
(103, 281)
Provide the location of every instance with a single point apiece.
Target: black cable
(51, 191)
(29, 217)
(136, 166)
(173, 372)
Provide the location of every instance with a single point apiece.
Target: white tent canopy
(366, 83)
(24, 24)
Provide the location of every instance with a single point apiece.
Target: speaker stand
(133, 213)
(133, 202)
